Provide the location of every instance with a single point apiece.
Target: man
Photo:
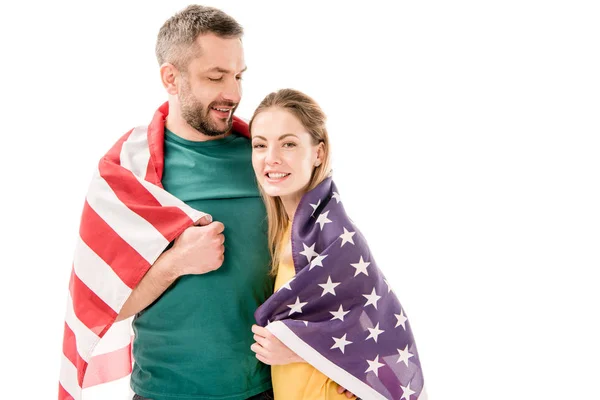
(194, 304)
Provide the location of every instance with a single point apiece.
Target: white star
(317, 262)
(328, 287)
(388, 285)
(375, 332)
(374, 366)
(340, 343)
(404, 355)
(361, 267)
(315, 206)
(347, 237)
(309, 252)
(372, 298)
(339, 314)
(287, 285)
(336, 196)
(296, 307)
(407, 392)
(322, 220)
(401, 319)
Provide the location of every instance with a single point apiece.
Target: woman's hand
(270, 350)
(341, 390)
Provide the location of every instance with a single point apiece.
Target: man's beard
(196, 115)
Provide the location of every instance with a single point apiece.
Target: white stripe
(168, 200)
(113, 390)
(135, 230)
(99, 277)
(117, 337)
(313, 357)
(423, 395)
(135, 156)
(86, 339)
(68, 378)
(135, 152)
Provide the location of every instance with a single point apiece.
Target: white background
(465, 142)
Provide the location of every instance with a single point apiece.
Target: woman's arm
(271, 351)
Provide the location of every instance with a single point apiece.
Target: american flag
(128, 220)
(339, 313)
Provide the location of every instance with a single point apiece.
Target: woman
(321, 261)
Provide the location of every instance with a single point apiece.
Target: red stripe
(70, 351)
(241, 127)
(114, 154)
(108, 367)
(89, 308)
(127, 263)
(62, 393)
(169, 221)
(70, 345)
(156, 144)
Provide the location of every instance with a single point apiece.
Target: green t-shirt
(194, 341)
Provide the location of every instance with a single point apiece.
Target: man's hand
(270, 350)
(199, 249)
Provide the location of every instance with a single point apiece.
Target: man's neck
(178, 126)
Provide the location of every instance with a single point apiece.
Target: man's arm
(198, 250)
(158, 279)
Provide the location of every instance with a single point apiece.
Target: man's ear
(168, 76)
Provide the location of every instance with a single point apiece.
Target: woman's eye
(258, 146)
(289, 144)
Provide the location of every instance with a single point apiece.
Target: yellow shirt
(298, 381)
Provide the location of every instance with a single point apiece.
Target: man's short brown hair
(176, 42)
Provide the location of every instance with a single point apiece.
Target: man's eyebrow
(223, 70)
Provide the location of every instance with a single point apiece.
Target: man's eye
(215, 79)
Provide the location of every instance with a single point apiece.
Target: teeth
(221, 109)
(277, 175)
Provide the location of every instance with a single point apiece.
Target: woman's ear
(320, 154)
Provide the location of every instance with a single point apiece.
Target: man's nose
(233, 91)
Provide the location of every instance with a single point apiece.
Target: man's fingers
(349, 394)
(218, 227)
(205, 220)
(340, 389)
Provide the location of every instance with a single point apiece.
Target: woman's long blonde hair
(313, 119)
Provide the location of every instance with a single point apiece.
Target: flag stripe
(89, 308)
(133, 229)
(127, 263)
(99, 277)
(132, 193)
(114, 154)
(63, 394)
(71, 353)
(313, 357)
(167, 200)
(70, 345)
(108, 367)
(118, 336)
(86, 339)
(135, 153)
(68, 379)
